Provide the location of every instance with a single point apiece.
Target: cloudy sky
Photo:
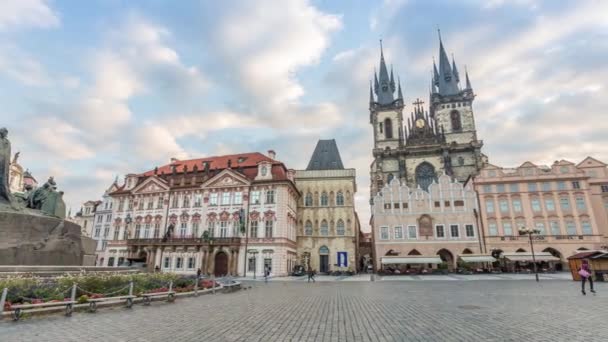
(94, 89)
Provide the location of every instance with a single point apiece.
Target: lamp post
(527, 231)
(254, 254)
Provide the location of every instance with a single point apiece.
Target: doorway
(220, 268)
(324, 259)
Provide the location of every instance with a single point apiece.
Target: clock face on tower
(420, 123)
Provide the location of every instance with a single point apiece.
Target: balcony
(545, 238)
(185, 241)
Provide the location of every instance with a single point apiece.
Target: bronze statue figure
(5, 161)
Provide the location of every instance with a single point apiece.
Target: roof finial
(371, 95)
(381, 49)
(439, 33)
(468, 82)
(399, 93)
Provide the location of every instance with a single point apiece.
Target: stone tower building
(432, 142)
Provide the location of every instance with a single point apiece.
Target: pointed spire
(386, 89)
(399, 93)
(455, 71)
(468, 82)
(376, 83)
(435, 74)
(371, 94)
(447, 81)
(392, 80)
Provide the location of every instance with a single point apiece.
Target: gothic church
(442, 139)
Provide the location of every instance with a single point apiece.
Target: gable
(527, 164)
(152, 184)
(563, 162)
(227, 178)
(490, 167)
(590, 162)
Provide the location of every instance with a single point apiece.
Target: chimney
(271, 154)
(173, 160)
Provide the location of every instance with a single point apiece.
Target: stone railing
(189, 241)
(544, 238)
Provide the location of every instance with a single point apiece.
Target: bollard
(3, 300)
(131, 288)
(372, 277)
(73, 297)
(196, 287)
(171, 286)
(213, 284)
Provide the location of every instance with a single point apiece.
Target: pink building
(564, 202)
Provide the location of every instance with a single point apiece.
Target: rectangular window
(111, 261)
(396, 205)
(384, 233)
(195, 229)
(179, 263)
(211, 229)
(470, 230)
(156, 230)
(253, 230)
(116, 233)
(270, 197)
(504, 206)
(97, 231)
(454, 230)
(531, 187)
(446, 204)
(150, 204)
(191, 263)
(546, 186)
(251, 264)
(412, 232)
(535, 205)
(564, 203)
(268, 264)
(137, 230)
(437, 204)
(500, 188)
(238, 198)
(183, 229)
(517, 205)
(570, 228)
(198, 200)
(490, 206)
(576, 185)
(106, 231)
(507, 229)
(604, 188)
(104, 245)
(186, 202)
(255, 197)
(160, 203)
(440, 231)
(226, 198)
(514, 187)
(174, 203)
(130, 204)
(147, 231)
(561, 185)
(99, 219)
(398, 233)
(580, 203)
(404, 205)
(586, 226)
(268, 230)
(459, 203)
(549, 204)
(167, 262)
(487, 188)
(555, 230)
(540, 227)
(492, 229)
(223, 229)
(387, 205)
(140, 205)
(213, 198)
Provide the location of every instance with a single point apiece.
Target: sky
(92, 90)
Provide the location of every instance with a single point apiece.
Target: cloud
(27, 13)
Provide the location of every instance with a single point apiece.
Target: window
(166, 262)
(104, 245)
(308, 200)
(174, 203)
(308, 228)
(555, 230)
(455, 120)
(507, 229)
(459, 203)
(99, 219)
(251, 265)
(380, 127)
(88, 210)
(182, 229)
(546, 186)
(156, 230)
(540, 227)
(225, 198)
(396, 205)
(564, 169)
(140, 205)
(454, 231)
(111, 261)
(570, 228)
(97, 231)
(255, 197)
(121, 260)
(446, 203)
(268, 230)
(561, 185)
(191, 263)
(238, 198)
(106, 231)
(514, 187)
(604, 188)
(121, 205)
(440, 231)
(137, 230)
(487, 189)
(412, 232)
(159, 204)
(198, 200)
(576, 185)
(500, 188)
(324, 199)
(549, 204)
(586, 226)
(490, 206)
(504, 206)
(384, 233)
(437, 204)
(535, 205)
(179, 262)
(150, 204)
(324, 228)
(388, 128)
(340, 198)
(531, 186)
(253, 229)
(268, 264)
(211, 229)
(130, 205)
(186, 202)
(85, 224)
(116, 233)
(147, 231)
(213, 198)
(270, 197)
(580, 203)
(564, 202)
(195, 229)
(517, 205)
(492, 229)
(404, 205)
(398, 232)
(223, 229)
(340, 227)
(469, 230)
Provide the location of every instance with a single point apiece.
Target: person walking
(198, 273)
(585, 273)
(311, 274)
(266, 274)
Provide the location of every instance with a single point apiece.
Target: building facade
(224, 215)
(436, 224)
(328, 226)
(563, 202)
(442, 140)
(85, 218)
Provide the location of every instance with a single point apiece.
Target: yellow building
(328, 226)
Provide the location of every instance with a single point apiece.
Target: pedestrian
(311, 274)
(198, 273)
(266, 274)
(585, 273)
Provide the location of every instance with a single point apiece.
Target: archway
(323, 259)
(220, 267)
(557, 254)
(520, 250)
(467, 251)
(414, 252)
(447, 257)
(425, 175)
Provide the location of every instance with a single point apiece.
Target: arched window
(323, 250)
(388, 128)
(308, 200)
(455, 119)
(324, 228)
(389, 178)
(308, 228)
(340, 227)
(340, 198)
(324, 199)
(425, 175)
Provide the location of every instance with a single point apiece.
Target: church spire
(455, 71)
(448, 84)
(385, 88)
(371, 95)
(399, 93)
(468, 82)
(392, 80)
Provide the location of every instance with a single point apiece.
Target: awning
(411, 260)
(476, 258)
(524, 256)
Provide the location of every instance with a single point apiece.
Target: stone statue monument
(33, 229)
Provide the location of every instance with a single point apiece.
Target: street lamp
(527, 231)
(254, 253)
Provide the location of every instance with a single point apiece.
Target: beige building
(328, 226)
(418, 228)
(564, 202)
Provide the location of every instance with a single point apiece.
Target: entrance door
(221, 264)
(324, 264)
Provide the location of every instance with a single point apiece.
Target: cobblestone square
(347, 311)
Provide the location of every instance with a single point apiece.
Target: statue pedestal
(33, 239)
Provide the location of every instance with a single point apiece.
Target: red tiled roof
(216, 163)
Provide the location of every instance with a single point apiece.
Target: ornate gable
(590, 162)
(150, 185)
(227, 178)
